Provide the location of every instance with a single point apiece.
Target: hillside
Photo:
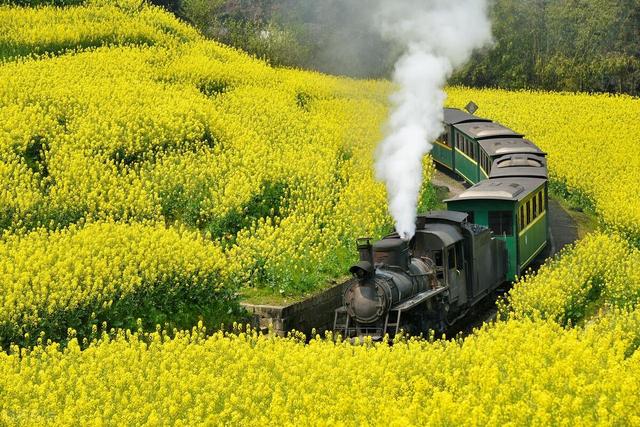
(148, 175)
(126, 119)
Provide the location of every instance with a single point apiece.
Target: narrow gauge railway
(488, 235)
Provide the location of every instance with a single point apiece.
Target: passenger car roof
(525, 165)
(514, 189)
(454, 116)
(501, 146)
(483, 130)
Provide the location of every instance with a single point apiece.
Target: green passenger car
(515, 209)
(443, 149)
(471, 161)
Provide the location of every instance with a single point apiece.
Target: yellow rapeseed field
(146, 172)
(82, 276)
(601, 270)
(50, 30)
(518, 373)
(270, 169)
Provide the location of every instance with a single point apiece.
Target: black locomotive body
(423, 284)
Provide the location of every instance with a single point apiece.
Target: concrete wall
(316, 312)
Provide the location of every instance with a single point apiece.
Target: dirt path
(563, 227)
(452, 182)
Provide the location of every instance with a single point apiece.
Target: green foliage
(200, 12)
(577, 200)
(571, 45)
(429, 198)
(332, 36)
(576, 45)
(260, 35)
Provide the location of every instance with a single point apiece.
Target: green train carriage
(471, 145)
(443, 151)
(471, 160)
(515, 209)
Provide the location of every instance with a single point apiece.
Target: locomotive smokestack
(365, 248)
(365, 268)
(438, 36)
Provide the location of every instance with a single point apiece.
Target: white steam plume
(439, 36)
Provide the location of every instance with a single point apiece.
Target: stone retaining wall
(315, 312)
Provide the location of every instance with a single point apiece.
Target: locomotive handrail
(418, 299)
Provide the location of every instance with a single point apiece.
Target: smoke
(438, 36)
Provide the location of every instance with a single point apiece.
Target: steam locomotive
(489, 235)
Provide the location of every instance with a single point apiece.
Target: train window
(535, 206)
(451, 255)
(501, 222)
(446, 137)
(528, 211)
(459, 256)
(540, 202)
(437, 258)
(521, 218)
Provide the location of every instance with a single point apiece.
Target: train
(488, 235)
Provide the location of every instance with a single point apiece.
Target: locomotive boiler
(423, 284)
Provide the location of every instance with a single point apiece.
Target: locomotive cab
(441, 241)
